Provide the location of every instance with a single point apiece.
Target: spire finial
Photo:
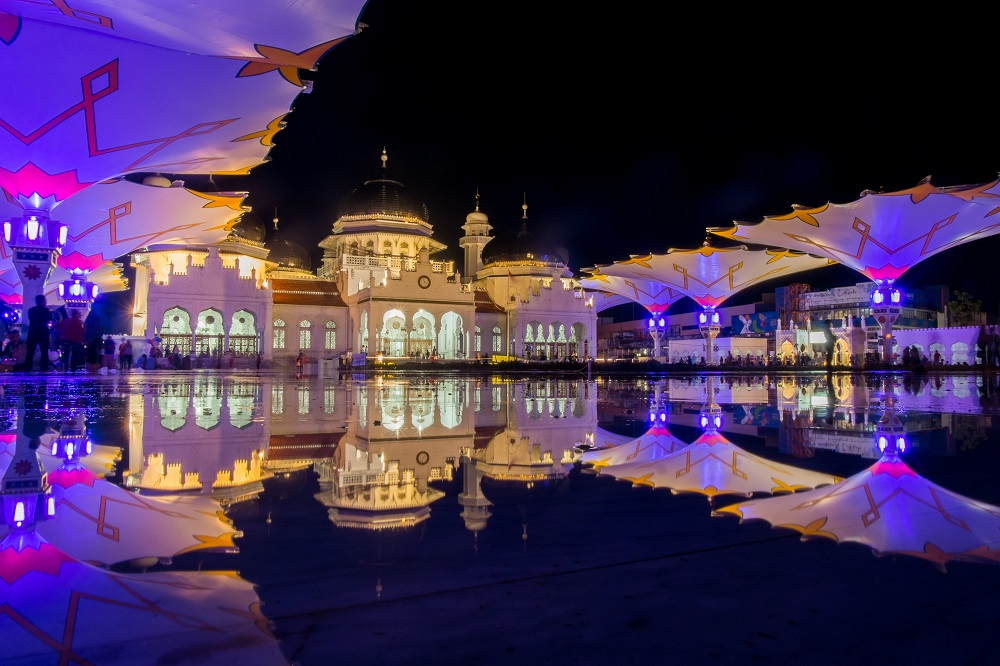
(524, 207)
(275, 220)
(385, 158)
(477, 199)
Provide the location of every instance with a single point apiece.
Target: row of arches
(211, 333)
(422, 335)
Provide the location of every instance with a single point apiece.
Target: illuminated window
(329, 399)
(330, 335)
(479, 340)
(303, 399)
(277, 399)
(278, 331)
(305, 334)
(497, 341)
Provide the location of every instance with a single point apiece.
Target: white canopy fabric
(709, 275)
(882, 234)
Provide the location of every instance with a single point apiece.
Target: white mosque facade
(378, 290)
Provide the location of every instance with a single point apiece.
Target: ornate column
(36, 241)
(886, 301)
(708, 325)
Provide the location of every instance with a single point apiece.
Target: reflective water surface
(200, 517)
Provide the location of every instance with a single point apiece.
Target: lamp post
(657, 331)
(25, 495)
(36, 241)
(708, 325)
(77, 292)
(886, 301)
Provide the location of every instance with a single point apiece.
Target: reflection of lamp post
(25, 496)
(890, 438)
(36, 241)
(708, 325)
(886, 302)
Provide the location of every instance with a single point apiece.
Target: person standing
(71, 333)
(39, 317)
(831, 343)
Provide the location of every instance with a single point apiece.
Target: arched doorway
(392, 335)
(175, 331)
(243, 333)
(422, 335)
(449, 341)
(209, 334)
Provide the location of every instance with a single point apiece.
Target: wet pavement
(404, 520)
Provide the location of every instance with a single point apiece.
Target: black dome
(520, 246)
(385, 198)
(248, 227)
(289, 255)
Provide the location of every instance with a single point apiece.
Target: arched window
(330, 335)
(479, 340)
(497, 340)
(278, 334)
(305, 334)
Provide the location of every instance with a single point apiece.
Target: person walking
(39, 317)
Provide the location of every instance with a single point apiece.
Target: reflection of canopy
(710, 275)
(891, 509)
(881, 234)
(713, 465)
(70, 612)
(655, 443)
(653, 295)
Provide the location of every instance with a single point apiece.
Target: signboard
(755, 323)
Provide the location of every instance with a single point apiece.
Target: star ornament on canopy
(709, 275)
(105, 89)
(882, 234)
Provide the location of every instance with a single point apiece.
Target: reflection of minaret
(477, 507)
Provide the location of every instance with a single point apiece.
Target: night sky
(631, 133)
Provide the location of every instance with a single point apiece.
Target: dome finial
(275, 220)
(524, 207)
(385, 159)
(477, 199)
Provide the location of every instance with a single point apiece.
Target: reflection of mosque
(376, 446)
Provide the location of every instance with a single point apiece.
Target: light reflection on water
(377, 484)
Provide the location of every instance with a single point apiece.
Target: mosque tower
(477, 234)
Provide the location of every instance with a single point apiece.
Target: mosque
(378, 291)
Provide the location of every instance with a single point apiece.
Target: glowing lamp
(6, 231)
(32, 228)
(50, 506)
(19, 513)
(652, 323)
(702, 319)
(878, 297)
(895, 296)
(662, 322)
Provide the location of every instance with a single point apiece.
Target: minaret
(477, 234)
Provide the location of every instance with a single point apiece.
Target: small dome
(522, 246)
(383, 198)
(289, 255)
(248, 228)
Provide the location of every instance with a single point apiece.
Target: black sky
(629, 130)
